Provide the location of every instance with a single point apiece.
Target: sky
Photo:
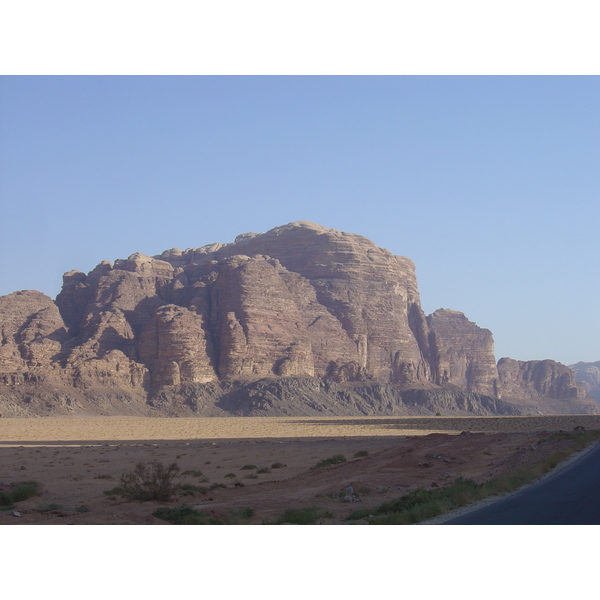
(490, 184)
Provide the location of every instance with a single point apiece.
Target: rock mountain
(300, 320)
(588, 374)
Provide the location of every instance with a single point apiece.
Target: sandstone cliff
(299, 300)
(588, 374)
(32, 334)
(462, 353)
(194, 330)
(543, 386)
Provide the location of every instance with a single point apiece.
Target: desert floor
(77, 459)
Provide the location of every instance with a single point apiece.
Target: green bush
(154, 481)
(361, 453)
(421, 504)
(185, 515)
(303, 516)
(238, 516)
(19, 492)
(248, 467)
(25, 490)
(243, 513)
(278, 465)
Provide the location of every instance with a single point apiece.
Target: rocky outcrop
(368, 290)
(588, 374)
(300, 303)
(32, 334)
(267, 321)
(543, 386)
(350, 307)
(453, 402)
(302, 396)
(175, 347)
(462, 353)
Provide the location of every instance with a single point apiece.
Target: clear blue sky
(491, 185)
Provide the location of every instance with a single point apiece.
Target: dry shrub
(153, 481)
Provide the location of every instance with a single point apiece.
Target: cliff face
(300, 301)
(32, 334)
(588, 374)
(462, 354)
(369, 292)
(543, 385)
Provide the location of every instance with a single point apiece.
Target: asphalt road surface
(571, 497)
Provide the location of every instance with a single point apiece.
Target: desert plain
(264, 463)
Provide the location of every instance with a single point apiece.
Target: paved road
(571, 497)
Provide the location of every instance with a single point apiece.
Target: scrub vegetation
(423, 504)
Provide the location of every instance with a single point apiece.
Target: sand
(76, 459)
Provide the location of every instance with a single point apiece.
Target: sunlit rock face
(303, 300)
(462, 353)
(299, 302)
(32, 334)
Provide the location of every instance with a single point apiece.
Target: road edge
(459, 512)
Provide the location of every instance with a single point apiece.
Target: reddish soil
(76, 472)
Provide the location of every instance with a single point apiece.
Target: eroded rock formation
(32, 334)
(543, 386)
(588, 374)
(462, 353)
(298, 303)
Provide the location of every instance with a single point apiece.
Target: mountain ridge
(299, 302)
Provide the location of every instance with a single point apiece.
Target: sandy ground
(76, 459)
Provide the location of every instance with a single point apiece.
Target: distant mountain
(588, 374)
(245, 327)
